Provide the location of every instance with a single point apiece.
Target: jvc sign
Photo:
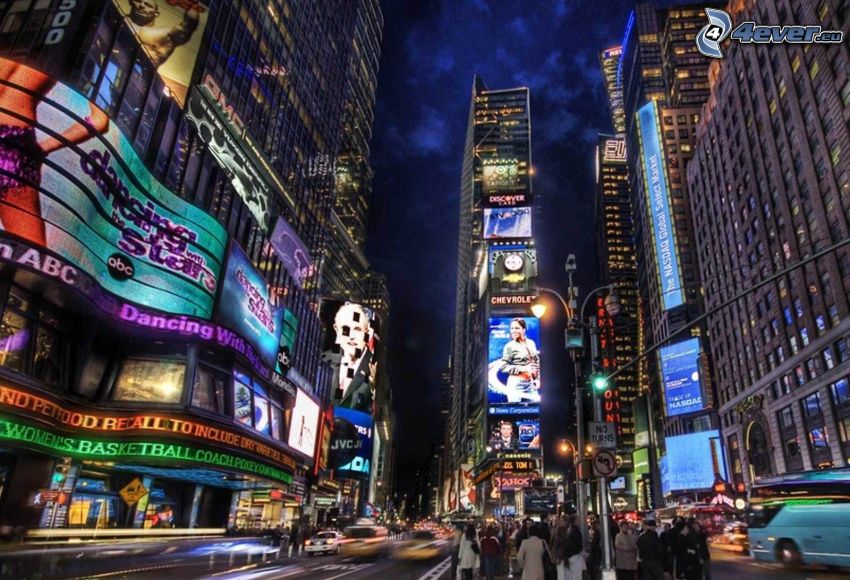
(720, 26)
(602, 435)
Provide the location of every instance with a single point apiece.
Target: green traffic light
(600, 383)
(58, 477)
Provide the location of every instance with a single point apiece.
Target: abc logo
(120, 267)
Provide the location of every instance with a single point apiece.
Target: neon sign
(110, 450)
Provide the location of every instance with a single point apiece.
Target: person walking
(625, 552)
(530, 556)
(703, 553)
(594, 559)
(687, 559)
(491, 549)
(652, 553)
(468, 553)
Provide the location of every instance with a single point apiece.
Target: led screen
(680, 374)
(513, 360)
(169, 32)
(292, 251)
(71, 183)
(500, 175)
(246, 306)
(351, 343)
(515, 434)
(351, 445)
(693, 460)
(658, 201)
(513, 269)
(511, 222)
(304, 426)
(468, 494)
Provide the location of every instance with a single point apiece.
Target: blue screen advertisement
(680, 374)
(658, 202)
(692, 461)
(351, 446)
(513, 358)
(510, 222)
(72, 183)
(246, 306)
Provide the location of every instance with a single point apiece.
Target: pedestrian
(523, 532)
(468, 553)
(687, 559)
(704, 555)
(652, 553)
(594, 559)
(530, 556)
(491, 549)
(567, 550)
(625, 552)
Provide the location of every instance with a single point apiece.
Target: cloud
(520, 26)
(430, 134)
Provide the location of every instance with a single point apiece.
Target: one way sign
(603, 435)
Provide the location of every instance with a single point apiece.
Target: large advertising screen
(304, 426)
(351, 445)
(467, 494)
(169, 31)
(680, 374)
(513, 269)
(246, 306)
(514, 434)
(70, 182)
(351, 346)
(513, 360)
(500, 175)
(693, 461)
(508, 222)
(292, 251)
(658, 202)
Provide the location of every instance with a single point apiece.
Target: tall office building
(770, 187)
(610, 61)
(663, 87)
(158, 288)
(495, 362)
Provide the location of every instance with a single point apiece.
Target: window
(844, 429)
(786, 418)
(209, 388)
(841, 349)
(818, 438)
(840, 392)
(788, 318)
(834, 318)
(820, 321)
(828, 360)
(150, 381)
(804, 336)
(811, 406)
(798, 306)
(791, 447)
(812, 368)
(793, 342)
(253, 407)
(801, 377)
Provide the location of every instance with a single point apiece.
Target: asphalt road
(739, 567)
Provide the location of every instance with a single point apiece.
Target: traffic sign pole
(608, 572)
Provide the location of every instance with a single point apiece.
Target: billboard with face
(513, 360)
(304, 426)
(71, 183)
(515, 434)
(351, 443)
(680, 375)
(351, 343)
(511, 222)
(513, 269)
(246, 306)
(169, 31)
(467, 494)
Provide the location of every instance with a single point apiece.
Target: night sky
(431, 50)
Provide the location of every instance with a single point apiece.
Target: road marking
(437, 571)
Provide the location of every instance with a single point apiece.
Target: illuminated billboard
(507, 222)
(351, 343)
(500, 175)
(467, 493)
(351, 444)
(513, 269)
(292, 251)
(658, 204)
(73, 184)
(693, 461)
(515, 434)
(304, 425)
(246, 306)
(513, 358)
(169, 31)
(286, 350)
(680, 375)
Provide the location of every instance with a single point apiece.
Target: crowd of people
(555, 548)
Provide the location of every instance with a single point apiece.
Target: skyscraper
(610, 61)
(770, 187)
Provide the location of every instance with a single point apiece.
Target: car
(365, 541)
(424, 545)
(323, 543)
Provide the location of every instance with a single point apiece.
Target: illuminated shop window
(209, 389)
(150, 381)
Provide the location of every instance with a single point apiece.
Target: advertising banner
(680, 375)
(449, 495)
(511, 222)
(515, 434)
(500, 175)
(513, 360)
(517, 409)
(540, 501)
(693, 461)
(227, 146)
(350, 345)
(513, 269)
(514, 480)
(304, 425)
(70, 182)
(286, 347)
(351, 445)
(169, 31)
(658, 203)
(292, 251)
(467, 494)
(246, 306)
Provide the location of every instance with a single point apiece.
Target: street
(740, 567)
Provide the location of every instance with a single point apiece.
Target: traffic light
(598, 381)
(60, 472)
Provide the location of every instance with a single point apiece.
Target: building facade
(770, 188)
(160, 358)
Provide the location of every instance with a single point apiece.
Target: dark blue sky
(430, 52)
